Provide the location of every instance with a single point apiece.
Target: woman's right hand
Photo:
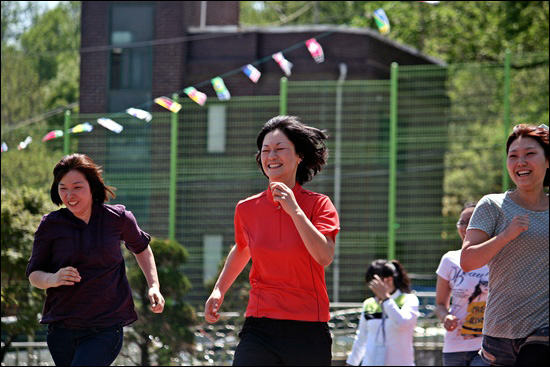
(65, 276)
(519, 224)
(212, 306)
(450, 323)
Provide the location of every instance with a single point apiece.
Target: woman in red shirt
(289, 234)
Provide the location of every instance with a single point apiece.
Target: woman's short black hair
(469, 204)
(308, 143)
(384, 268)
(85, 165)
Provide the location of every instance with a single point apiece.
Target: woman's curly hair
(308, 143)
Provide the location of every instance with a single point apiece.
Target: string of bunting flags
(198, 97)
(222, 92)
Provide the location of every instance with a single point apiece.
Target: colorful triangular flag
(110, 124)
(252, 73)
(22, 145)
(382, 21)
(140, 114)
(195, 95)
(85, 127)
(285, 65)
(315, 50)
(221, 89)
(52, 135)
(168, 104)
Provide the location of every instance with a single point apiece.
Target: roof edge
(314, 28)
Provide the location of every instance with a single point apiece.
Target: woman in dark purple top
(77, 258)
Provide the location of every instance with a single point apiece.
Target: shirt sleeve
(443, 268)
(134, 238)
(405, 316)
(360, 344)
(241, 235)
(485, 217)
(41, 254)
(326, 218)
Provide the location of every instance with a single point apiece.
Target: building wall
(94, 65)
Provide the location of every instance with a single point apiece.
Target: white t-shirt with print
(468, 299)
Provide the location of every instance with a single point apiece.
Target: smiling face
(74, 191)
(526, 163)
(279, 158)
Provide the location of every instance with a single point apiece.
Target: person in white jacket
(386, 326)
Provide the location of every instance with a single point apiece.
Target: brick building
(170, 49)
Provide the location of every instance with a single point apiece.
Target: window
(212, 255)
(216, 129)
(131, 71)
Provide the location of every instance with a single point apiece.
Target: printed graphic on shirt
(473, 324)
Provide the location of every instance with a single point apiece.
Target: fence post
(66, 127)
(338, 177)
(282, 96)
(507, 70)
(393, 161)
(173, 173)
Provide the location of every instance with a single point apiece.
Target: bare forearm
(41, 279)
(441, 311)
(321, 249)
(146, 261)
(234, 265)
(474, 256)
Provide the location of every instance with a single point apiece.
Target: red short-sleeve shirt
(286, 282)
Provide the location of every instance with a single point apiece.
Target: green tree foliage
(475, 155)
(31, 167)
(55, 56)
(17, 17)
(299, 12)
(236, 298)
(162, 335)
(40, 71)
(22, 210)
(40, 61)
(454, 31)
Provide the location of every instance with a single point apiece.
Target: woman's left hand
(379, 288)
(284, 196)
(157, 300)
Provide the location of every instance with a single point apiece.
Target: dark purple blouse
(102, 297)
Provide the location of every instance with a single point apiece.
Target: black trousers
(269, 342)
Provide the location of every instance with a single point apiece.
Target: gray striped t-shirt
(518, 274)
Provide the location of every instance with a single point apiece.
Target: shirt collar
(395, 294)
(296, 190)
(95, 209)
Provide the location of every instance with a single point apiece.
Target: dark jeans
(471, 358)
(269, 342)
(84, 347)
(530, 351)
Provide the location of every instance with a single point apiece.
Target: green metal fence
(404, 155)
